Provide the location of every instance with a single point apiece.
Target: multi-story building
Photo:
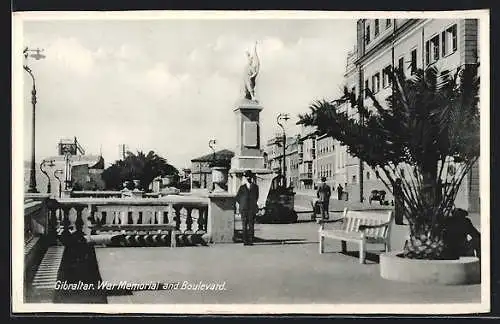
(307, 157)
(274, 152)
(201, 171)
(407, 44)
(411, 44)
(325, 159)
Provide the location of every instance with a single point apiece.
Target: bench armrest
(365, 227)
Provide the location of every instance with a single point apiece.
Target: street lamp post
(67, 179)
(283, 117)
(56, 172)
(50, 163)
(37, 56)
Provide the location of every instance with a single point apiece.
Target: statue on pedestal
(251, 72)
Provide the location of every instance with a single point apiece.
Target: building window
(449, 40)
(386, 80)
(388, 23)
(367, 35)
(376, 27)
(366, 88)
(401, 64)
(432, 50)
(413, 65)
(376, 83)
(367, 175)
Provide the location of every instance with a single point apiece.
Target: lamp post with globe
(27, 52)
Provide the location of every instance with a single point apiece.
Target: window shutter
(443, 43)
(427, 53)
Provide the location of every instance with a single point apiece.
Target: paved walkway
(283, 267)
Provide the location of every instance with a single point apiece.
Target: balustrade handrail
(165, 200)
(96, 193)
(32, 207)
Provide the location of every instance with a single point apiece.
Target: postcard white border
(18, 306)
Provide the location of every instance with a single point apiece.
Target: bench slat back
(353, 219)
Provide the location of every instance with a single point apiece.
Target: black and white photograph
(251, 162)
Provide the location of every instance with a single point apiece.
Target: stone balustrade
(151, 220)
(95, 194)
(36, 233)
(35, 219)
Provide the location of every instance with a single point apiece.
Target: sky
(170, 85)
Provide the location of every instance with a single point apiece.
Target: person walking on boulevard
(247, 197)
(324, 192)
(340, 190)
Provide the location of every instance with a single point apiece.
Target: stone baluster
(189, 219)
(177, 217)
(79, 221)
(177, 220)
(205, 218)
(66, 234)
(53, 220)
(65, 222)
(201, 220)
(93, 222)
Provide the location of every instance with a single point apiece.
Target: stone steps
(46, 276)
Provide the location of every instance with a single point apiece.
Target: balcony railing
(305, 175)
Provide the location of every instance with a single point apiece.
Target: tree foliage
(425, 133)
(140, 166)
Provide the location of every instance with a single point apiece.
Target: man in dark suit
(247, 197)
(324, 192)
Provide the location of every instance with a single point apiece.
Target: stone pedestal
(248, 155)
(220, 220)
(247, 128)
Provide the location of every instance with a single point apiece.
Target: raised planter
(466, 270)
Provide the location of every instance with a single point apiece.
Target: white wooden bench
(361, 227)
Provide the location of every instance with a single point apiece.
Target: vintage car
(279, 206)
(378, 195)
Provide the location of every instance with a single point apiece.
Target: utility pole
(279, 120)
(361, 123)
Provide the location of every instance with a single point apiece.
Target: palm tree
(140, 166)
(426, 134)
